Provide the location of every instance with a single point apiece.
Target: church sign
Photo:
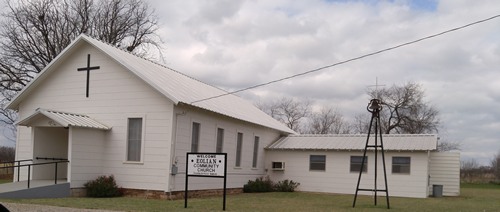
(206, 165)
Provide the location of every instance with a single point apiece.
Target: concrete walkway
(16, 207)
(16, 186)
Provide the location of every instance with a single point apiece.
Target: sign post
(206, 165)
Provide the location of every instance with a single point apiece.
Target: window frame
(219, 140)
(255, 155)
(313, 164)
(400, 165)
(239, 149)
(141, 141)
(195, 140)
(354, 164)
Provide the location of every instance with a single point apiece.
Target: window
(317, 162)
(255, 151)
(134, 139)
(195, 137)
(401, 165)
(239, 144)
(220, 140)
(356, 163)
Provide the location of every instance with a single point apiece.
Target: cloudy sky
(235, 44)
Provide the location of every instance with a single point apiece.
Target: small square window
(401, 165)
(356, 162)
(317, 162)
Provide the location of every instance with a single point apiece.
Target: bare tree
(327, 121)
(469, 164)
(34, 32)
(495, 165)
(445, 145)
(7, 153)
(469, 170)
(405, 110)
(361, 123)
(289, 111)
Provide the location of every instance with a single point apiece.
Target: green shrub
(286, 186)
(103, 186)
(260, 184)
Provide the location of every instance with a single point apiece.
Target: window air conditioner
(278, 166)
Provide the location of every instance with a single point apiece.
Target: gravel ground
(15, 207)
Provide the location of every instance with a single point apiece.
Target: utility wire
(350, 60)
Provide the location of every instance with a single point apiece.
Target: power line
(352, 59)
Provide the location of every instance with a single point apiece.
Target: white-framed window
(317, 162)
(239, 146)
(195, 136)
(356, 162)
(255, 151)
(401, 165)
(220, 140)
(135, 139)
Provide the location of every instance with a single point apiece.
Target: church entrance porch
(61, 140)
(50, 144)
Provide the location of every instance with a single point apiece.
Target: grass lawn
(5, 181)
(473, 198)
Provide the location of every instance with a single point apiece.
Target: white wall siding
(24, 150)
(115, 95)
(445, 170)
(337, 177)
(209, 122)
(86, 155)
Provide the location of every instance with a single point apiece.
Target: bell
(375, 105)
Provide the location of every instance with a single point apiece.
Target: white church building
(109, 112)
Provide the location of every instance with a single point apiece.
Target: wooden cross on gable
(88, 69)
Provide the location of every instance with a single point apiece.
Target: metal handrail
(35, 164)
(18, 163)
(44, 158)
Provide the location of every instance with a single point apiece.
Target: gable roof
(64, 119)
(174, 85)
(394, 142)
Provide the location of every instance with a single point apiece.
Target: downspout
(428, 172)
(173, 157)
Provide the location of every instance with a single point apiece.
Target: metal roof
(63, 119)
(396, 142)
(176, 86)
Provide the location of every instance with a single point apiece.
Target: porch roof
(63, 119)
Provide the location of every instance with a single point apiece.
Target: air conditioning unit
(278, 166)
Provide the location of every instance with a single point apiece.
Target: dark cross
(88, 69)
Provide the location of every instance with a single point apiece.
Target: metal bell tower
(374, 107)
